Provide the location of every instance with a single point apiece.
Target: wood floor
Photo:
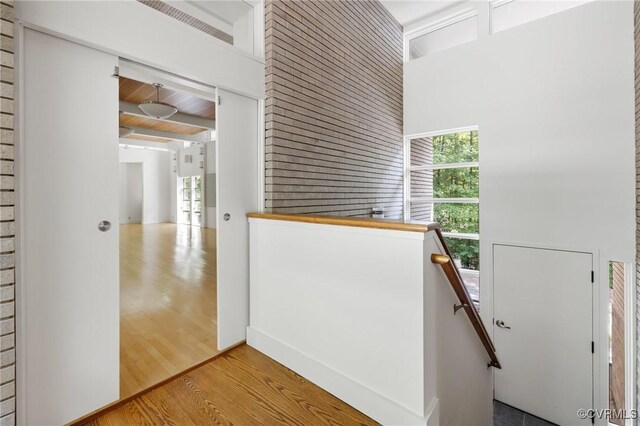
(167, 302)
(242, 387)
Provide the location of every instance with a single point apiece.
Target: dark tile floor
(505, 415)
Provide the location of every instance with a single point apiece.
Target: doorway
(71, 258)
(543, 331)
(168, 261)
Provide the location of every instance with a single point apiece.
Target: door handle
(104, 226)
(226, 217)
(501, 324)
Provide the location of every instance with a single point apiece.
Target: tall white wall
(554, 102)
(159, 192)
(131, 193)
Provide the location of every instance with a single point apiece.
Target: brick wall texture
(421, 182)
(616, 370)
(7, 219)
(333, 108)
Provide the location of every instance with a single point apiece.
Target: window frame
(431, 27)
(408, 200)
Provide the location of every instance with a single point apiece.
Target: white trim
(443, 132)
(261, 156)
(461, 236)
(430, 27)
(465, 165)
(445, 200)
(360, 396)
(406, 189)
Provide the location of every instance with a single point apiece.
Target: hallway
(167, 302)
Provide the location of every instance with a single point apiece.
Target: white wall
(131, 192)
(554, 102)
(374, 323)
(158, 183)
(178, 48)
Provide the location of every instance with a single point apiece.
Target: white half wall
(131, 193)
(159, 198)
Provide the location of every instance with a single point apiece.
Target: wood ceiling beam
(178, 117)
(198, 137)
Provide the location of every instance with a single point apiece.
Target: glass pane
(421, 184)
(197, 206)
(455, 183)
(186, 206)
(444, 38)
(197, 219)
(516, 13)
(198, 188)
(421, 211)
(421, 152)
(458, 217)
(466, 253)
(186, 217)
(186, 182)
(455, 148)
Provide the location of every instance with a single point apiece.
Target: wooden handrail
(359, 222)
(454, 277)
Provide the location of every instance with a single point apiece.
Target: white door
(545, 297)
(237, 195)
(70, 268)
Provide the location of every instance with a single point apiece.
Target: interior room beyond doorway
(168, 305)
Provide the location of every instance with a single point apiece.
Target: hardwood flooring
(241, 386)
(167, 302)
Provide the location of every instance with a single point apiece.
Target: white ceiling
(408, 11)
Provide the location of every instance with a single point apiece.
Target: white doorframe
(19, 176)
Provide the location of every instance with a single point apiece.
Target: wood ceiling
(152, 123)
(136, 92)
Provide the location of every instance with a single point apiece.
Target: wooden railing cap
(360, 222)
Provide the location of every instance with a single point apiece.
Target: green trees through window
(445, 189)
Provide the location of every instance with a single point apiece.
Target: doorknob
(501, 324)
(104, 226)
(226, 216)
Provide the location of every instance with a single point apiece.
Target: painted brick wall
(7, 219)
(616, 371)
(333, 108)
(421, 182)
(637, 85)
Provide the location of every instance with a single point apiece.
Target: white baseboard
(360, 397)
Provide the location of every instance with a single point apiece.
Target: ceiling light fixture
(125, 131)
(157, 109)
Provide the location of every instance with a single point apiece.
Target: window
(190, 200)
(443, 186)
(452, 32)
(507, 14)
